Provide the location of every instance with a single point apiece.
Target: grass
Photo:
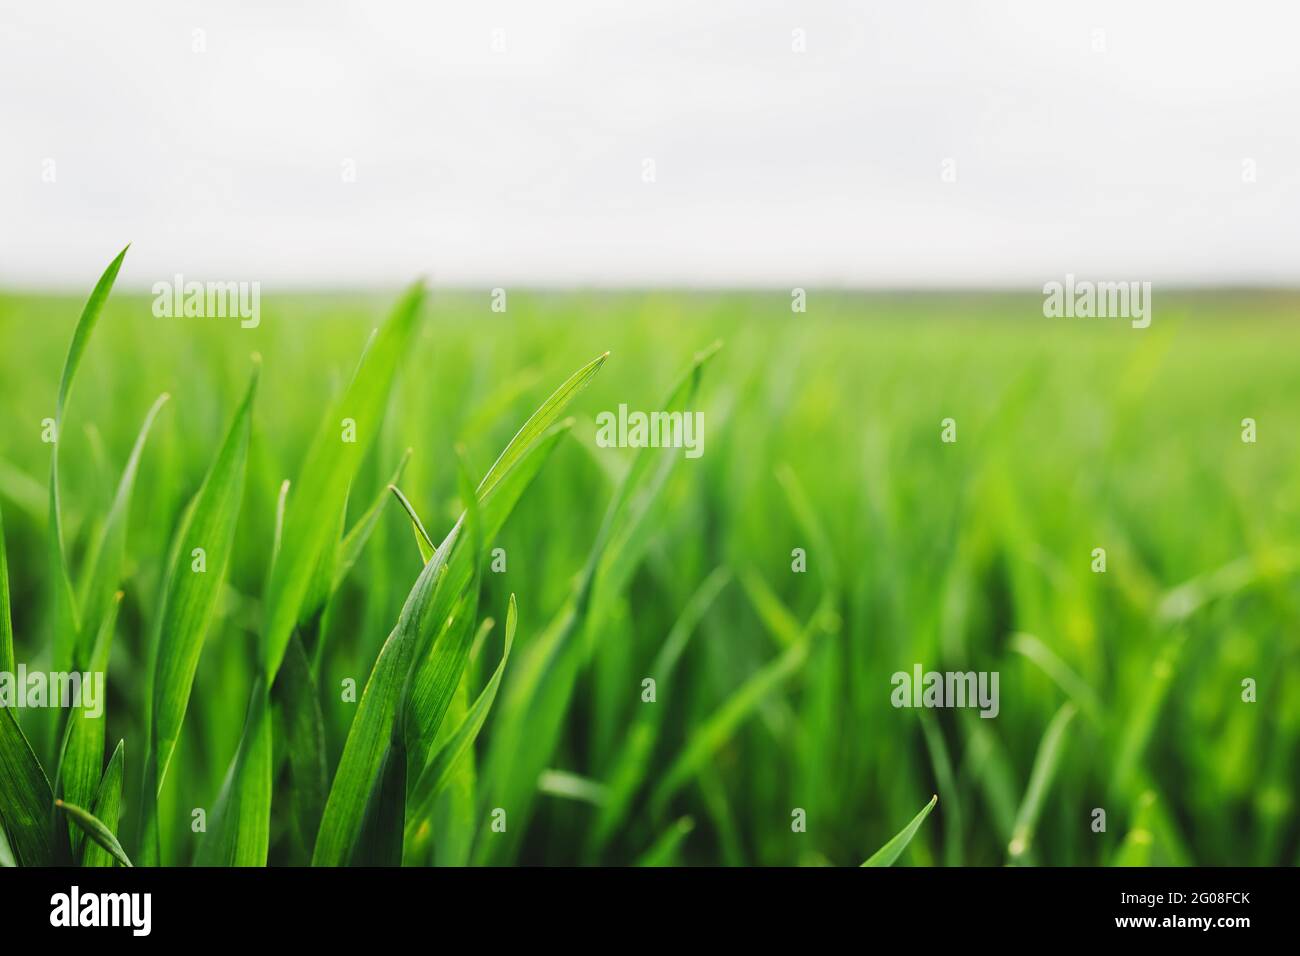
(332, 688)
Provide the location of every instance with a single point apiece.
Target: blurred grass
(822, 433)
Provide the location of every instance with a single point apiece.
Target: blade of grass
(26, 800)
(191, 595)
(355, 540)
(326, 475)
(239, 830)
(890, 852)
(422, 539)
(629, 770)
(424, 704)
(107, 806)
(571, 786)
(302, 728)
(95, 829)
(1046, 761)
(65, 622)
(537, 696)
(1060, 672)
(943, 773)
(368, 739)
(189, 600)
(718, 728)
(110, 552)
(445, 761)
(665, 850)
(81, 764)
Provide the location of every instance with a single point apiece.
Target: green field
(1120, 690)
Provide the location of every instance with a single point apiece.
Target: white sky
(773, 168)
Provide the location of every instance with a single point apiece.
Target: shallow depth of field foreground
(699, 670)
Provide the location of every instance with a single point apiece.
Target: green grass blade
(354, 541)
(107, 806)
(110, 552)
(326, 475)
(302, 728)
(890, 852)
(947, 780)
(546, 415)
(239, 829)
(380, 840)
(571, 786)
(26, 800)
(191, 595)
(537, 696)
(776, 617)
(706, 740)
(1060, 672)
(82, 761)
(95, 829)
(422, 539)
(369, 737)
(666, 849)
(1046, 761)
(424, 704)
(496, 506)
(66, 624)
(440, 770)
(630, 767)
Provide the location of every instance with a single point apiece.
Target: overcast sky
(1108, 139)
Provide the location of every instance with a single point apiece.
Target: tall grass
(533, 741)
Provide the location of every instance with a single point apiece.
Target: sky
(720, 143)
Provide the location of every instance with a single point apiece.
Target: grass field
(1119, 690)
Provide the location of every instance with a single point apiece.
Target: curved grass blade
(717, 730)
(630, 769)
(355, 540)
(380, 841)
(1040, 781)
(439, 772)
(65, 622)
(538, 423)
(110, 551)
(82, 762)
(1060, 672)
(424, 705)
(207, 536)
(537, 695)
(107, 806)
(95, 829)
(326, 475)
(665, 850)
(422, 539)
(369, 737)
(36, 836)
(239, 831)
(495, 507)
(947, 780)
(303, 732)
(571, 786)
(890, 852)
